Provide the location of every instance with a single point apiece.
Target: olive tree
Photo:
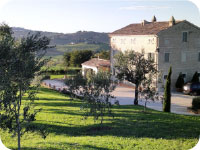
(20, 62)
(134, 67)
(148, 91)
(95, 90)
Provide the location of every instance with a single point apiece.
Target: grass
(131, 129)
(61, 49)
(82, 46)
(56, 76)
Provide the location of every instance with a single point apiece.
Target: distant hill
(73, 41)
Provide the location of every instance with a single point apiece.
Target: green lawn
(56, 76)
(131, 129)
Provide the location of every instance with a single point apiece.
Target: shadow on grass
(63, 146)
(137, 125)
(64, 112)
(129, 121)
(58, 104)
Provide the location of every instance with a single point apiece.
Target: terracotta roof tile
(150, 28)
(95, 62)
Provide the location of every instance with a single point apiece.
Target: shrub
(46, 77)
(196, 103)
(167, 93)
(180, 82)
(195, 78)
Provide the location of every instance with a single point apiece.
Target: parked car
(191, 88)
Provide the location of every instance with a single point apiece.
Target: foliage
(103, 55)
(130, 129)
(95, 90)
(46, 77)
(133, 67)
(180, 81)
(148, 91)
(196, 103)
(195, 78)
(75, 84)
(167, 92)
(83, 46)
(20, 62)
(76, 58)
(66, 58)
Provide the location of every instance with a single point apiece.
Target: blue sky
(69, 16)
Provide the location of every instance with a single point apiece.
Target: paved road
(179, 102)
(125, 96)
(55, 84)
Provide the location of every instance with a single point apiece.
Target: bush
(167, 93)
(195, 78)
(196, 103)
(180, 82)
(46, 77)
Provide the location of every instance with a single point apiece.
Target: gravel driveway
(179, 102)
(125, 96)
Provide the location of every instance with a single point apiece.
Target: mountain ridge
(89, 37)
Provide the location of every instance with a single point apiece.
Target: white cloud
(144, 7)
(3, 3)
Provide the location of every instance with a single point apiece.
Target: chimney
(154, 19)
(172, 21)
(144, 22)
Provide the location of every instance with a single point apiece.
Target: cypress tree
(180, 81)
(195, 78)
(167, 94)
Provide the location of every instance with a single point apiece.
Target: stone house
(169, 43)
(95, 65)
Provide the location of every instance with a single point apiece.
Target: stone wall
(183, 55)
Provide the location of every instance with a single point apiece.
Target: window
(199, 57)
(184, 76)
(166, 57)
(184, 37)
(165, 77)
(151, 56)
(133, 41)
(123, 41)
(183, 57)
(166, 42)
(198, 74)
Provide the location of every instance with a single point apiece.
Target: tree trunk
(145, 105)
(136, 95)
(18, 122)
(18, 133)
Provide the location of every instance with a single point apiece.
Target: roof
(96, 62)
(149, 28)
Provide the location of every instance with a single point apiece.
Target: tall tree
(167, 94)
(76, 58)
(180, 82)
(20, 62)
(134, 67)
(195, 78)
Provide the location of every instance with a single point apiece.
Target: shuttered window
(185, 36)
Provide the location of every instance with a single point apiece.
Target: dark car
(191, 88)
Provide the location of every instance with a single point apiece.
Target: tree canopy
(134, 67)
(20, 62)
(76, 58)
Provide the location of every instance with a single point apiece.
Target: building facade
(170, 43)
